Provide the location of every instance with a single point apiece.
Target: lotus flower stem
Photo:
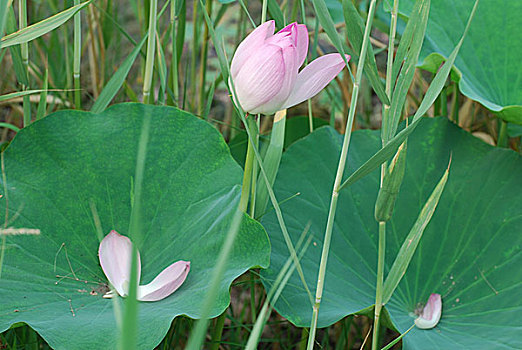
(151, 47)
(338, 179)
(77, 57)
(22, 17)
(382, 224)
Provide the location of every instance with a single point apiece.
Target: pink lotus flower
(430, 315)
(115, 259)
(265, 67)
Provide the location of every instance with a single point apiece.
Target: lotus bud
(265, 69)
(391, 185)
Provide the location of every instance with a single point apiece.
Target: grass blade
(328, 25)
(42, 105)
(396, 340)
(434, 90)
(4, 5)
(354, 32)
(41, 28)
(277, 14)
(418, 23)
(403, 258)
(113, 86)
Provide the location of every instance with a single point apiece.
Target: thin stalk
(338, 179)
(263, 11)
(389, 64)
(255, 171)
(502, 134)
(218, 331)
(247, 178)
(22, 17)
(174, 60)
(382, 224)
(77, 57)
(151, 47)
(193, 61)
(203, 63)
(380, 281)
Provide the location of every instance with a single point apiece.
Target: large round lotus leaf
(58, 166)
(470, 252)
(489, 60)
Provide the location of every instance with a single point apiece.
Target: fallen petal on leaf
(430, 315)
(165, 283)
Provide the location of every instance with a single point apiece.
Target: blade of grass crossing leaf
(433, 91)
(403, 258)
(128, 334)
(41, 28)
(42, 105)
(273, 294)
(198, 334)
(113, 86)
(354, 32)
(271, 161)
(398, 339)
(407, 71)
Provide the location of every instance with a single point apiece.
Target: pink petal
(300, 34)
(431, 313)
(250, 44)
(165, 283)
(115, 254)
(314, 77)
(260, 78)
(287, 85)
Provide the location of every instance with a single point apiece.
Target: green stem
(218, 331)
(247, 177)
(255, 171)
(338, 178)
(203, 63)
(380, 281)
(502, 134)
(195, 42)
(389, 63)
(77, 57)
(151, 47)
(22, 17)
(263, 11)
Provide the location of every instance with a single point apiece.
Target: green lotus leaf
(470, 252)
(59, 168)
(489, 59)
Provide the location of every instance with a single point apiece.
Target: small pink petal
(300, 37)
(430, 315)
(250, 44)
(165, 283)
(115, 254)
(314, 77)
(260, 78)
